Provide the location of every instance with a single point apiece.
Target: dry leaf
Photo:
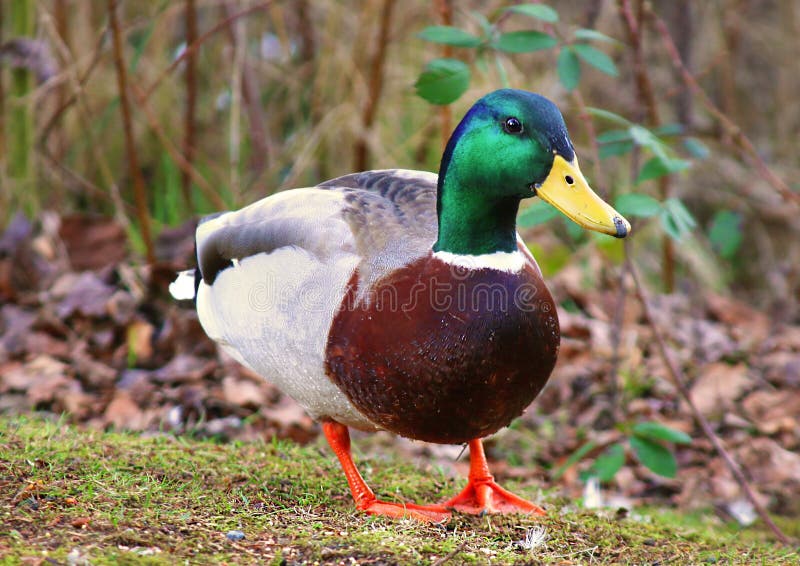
(140, 340)
(774, 411)
(243, 393)
(93, 242)
(720, 384)
(123, 413)
(82, 293)
(749, 325)
(184, 367)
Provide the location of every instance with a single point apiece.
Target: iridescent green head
(511, 145)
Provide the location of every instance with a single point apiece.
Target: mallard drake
(402, 300)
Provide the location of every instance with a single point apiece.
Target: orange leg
(483, 495)
(339, 439)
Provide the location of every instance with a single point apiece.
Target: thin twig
(139, 190)
(599, 178)
(444, 8)
(2, 102)
(190, 78)
(61, 15)
(679, 382)
(85, 116)
(190, 49)
(77, 88)
(305, 30)
(647, 98)
(185, 167)
(262, 153)
(739, 139)
(450, 555)
(234, 116)
(375, 86)
(79, 180)
(616, 344)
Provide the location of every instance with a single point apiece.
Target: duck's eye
(512, 126)
(570, 181)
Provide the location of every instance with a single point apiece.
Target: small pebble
(235, 535)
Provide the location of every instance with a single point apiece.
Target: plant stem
(599, 178)
(174, 153)
(199, 41)
(191, 102)
(375, 86)
(2, 108)
(262, 151)
(61, 17)
(140, 196)
(20, 124)
(444, 8)
(647, 99)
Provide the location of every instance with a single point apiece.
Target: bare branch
(375, 85)
(739, 139)
(139, 190)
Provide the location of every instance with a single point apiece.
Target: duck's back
(274, 273)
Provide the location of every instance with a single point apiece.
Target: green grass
(72, 495)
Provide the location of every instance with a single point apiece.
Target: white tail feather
(182, 289)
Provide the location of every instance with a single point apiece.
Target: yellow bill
(567, 189)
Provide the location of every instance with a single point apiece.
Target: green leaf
(654, 456)
(449, 35)
(657, 431)
(676, 220)
(696, 148)
(574, 458)
(610, 136)
(726, 233)
(610, 116)
(637, 204)
(538, 11)
(569, 69)
(537, 213)
(611, 149)
(596, 58)
(609, 462)
(443, 81)
(673, 129)
(593, 35)
(645, 138)
(525, 41)
(660, 166)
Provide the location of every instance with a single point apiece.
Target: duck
(403, 300)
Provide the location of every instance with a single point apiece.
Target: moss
(118, 498)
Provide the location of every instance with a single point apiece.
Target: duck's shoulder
(392, 216)
(397, 199)
(397, 185)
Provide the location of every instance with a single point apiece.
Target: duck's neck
(472, 223)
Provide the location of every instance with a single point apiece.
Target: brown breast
(441, 354)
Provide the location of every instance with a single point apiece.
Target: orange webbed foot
(483, 495)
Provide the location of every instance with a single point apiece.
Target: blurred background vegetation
(280, 94)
